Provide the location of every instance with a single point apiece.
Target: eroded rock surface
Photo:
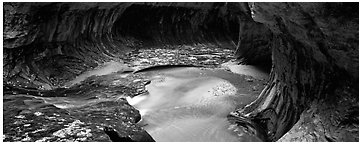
(311, 47)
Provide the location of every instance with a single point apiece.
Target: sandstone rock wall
(53, 42)
(314, 49)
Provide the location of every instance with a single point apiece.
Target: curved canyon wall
(312, 47)
(53, 42)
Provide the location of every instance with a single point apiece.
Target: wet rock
(314, 49)
(73, 130)
(38, 113)
(114, 136)
(184, 54)
(52, 39)
(248, 79)
(44, 123)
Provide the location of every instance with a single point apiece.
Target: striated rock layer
(311, 47)
(307, 42)
(56, 41)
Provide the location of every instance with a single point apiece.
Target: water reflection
(188, 107)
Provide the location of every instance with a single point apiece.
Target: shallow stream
(191, 104)
(176, 103)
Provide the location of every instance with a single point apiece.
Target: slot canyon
(180, 71)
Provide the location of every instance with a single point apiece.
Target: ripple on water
(188, 108)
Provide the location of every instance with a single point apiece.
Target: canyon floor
(156, 90)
